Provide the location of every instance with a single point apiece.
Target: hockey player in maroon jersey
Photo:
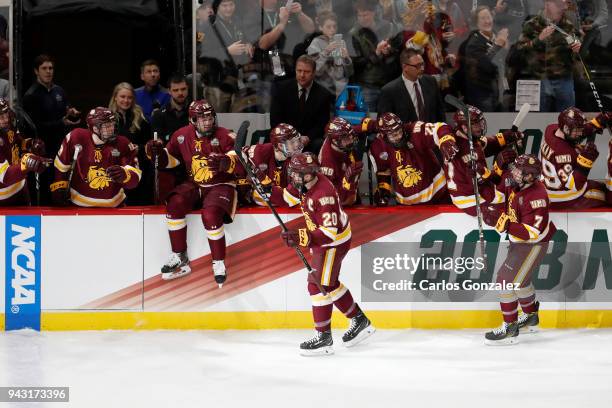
(18, 157)
(271, 160)
(403, 159)
(207, 151)
(459, 173)
(525, 219)
(328, 235)
(338, 156)
(566, 163)
(106, 164)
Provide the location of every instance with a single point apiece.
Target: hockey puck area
(264, 368)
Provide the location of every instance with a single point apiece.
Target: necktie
(302, 100)
(420, 106)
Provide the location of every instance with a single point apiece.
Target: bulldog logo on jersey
(277, 177)
(408, 175)
(97, 178)
(200, 170)
(309, 224)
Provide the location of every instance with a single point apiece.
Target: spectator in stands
(373, 62)
(334, 65)
(224, 44)
(277, 35)
(550, 57)
(132, 124)
(412, 96)
(482, 58)
(303, 103)
(47, 105)
(204, 11)
(165, 122)
(461, 26)
(151, 96)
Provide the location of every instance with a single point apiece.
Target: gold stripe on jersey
(572, 194)
(321, 300)
(84, 201)
(3, 168)
(216, 234)
(338, 292)
(426, 194)
(11, 190)
(172, 161)
(340, 238)
(135, 170)
(61, 166)
(534, 234)
(290, 198)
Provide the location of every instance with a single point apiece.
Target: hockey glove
(154, 148)
(294, 238)
(495, 217)
(368, 125)
(510, 137)
(603, 120)
(59, 193)
(353, 170)
(33, 163)
(35, 146)
(220, 163)
(118, 174)
(503, 159)
(448, 147)
(588, 154)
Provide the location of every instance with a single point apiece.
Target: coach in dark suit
(412, 96)
(303, 103)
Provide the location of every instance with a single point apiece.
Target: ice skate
(528, 322)
(220, 272)
(320, 345)
(506, 334)
(177, 266)
(360, 329)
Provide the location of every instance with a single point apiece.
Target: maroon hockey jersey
(262, 156)
(334, 165)
(12, 178)
(326, 221)
(90, 186)
(414, 169)
(186, 147)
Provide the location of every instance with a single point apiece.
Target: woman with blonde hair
(132, 124)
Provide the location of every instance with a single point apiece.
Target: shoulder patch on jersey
(115, 153)
(263, 166)
(540, 203)
(384, 156)
(180, 139)
(329, 200)
(214, 142)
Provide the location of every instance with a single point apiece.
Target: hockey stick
(452, 100)
(156, 176)
(75, 156)
(239, 144)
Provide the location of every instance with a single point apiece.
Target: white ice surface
(394, 368)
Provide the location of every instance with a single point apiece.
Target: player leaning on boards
(566, 162)
(341, 156)
(94, 166)
(525, 218)
(459, 174)
(403, 159)
(18, 157)
(328, 235)
(207, 151)
(270, 161)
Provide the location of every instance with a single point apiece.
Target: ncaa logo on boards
(22, 272)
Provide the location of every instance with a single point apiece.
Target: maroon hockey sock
(510, 311)
(178, 240)
(343, 300)
(528, 304)
(322, 307)
(212, 218)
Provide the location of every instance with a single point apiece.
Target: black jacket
(394, 97)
